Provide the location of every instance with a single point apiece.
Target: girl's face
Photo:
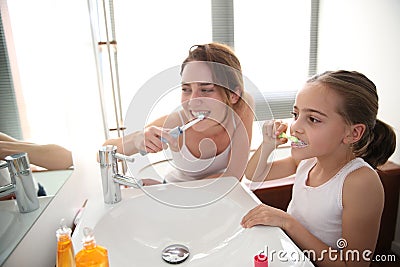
(200, 96)
(317, 123)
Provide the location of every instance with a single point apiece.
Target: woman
(212, 86)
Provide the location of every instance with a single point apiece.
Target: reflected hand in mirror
(48, 156)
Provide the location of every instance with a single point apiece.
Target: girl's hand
(271, 130)
(265, 215)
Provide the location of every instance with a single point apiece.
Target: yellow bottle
(65, 250)
(92, 255)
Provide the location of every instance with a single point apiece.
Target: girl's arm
(363, 200)
(259, 168)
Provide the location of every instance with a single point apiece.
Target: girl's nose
(295, 127)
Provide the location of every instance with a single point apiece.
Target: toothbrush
(291, 138)
(177, 131)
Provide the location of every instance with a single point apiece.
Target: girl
(337, 198)
(212, 85)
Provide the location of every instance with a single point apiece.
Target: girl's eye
(314, 120)
(294, 115)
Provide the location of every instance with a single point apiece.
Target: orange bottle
(65, 250)
(92, 255)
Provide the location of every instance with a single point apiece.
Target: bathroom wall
(363, 35)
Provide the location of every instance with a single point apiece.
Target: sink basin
(7, 221)
(14, 225)
(203, 216)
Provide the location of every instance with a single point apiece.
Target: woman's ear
(355, 134)
(234, 96)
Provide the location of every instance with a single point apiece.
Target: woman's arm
(148, 139)
(240, 148)
(49, 156)
(5, 137)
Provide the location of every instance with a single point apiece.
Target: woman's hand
(265, 215)
(147, 182)
(271, 130)
(150, 139)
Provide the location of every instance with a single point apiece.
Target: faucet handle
(22, 179)
(18, 163)
(124, 157)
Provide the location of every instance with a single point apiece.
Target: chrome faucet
(22, 183)
(110, 177)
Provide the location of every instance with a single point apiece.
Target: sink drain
(175, 254)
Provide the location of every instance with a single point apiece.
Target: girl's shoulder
(362, 179)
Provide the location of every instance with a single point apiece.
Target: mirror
(42, 80)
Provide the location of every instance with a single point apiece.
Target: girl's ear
(355, 134)
(234, 97)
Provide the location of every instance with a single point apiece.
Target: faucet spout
(22, 183)
(111, 179)
(127, 181)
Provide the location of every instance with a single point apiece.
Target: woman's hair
(360, 106)
(227, 71)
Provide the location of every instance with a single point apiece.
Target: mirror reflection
(33, 120)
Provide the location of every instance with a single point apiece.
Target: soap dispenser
(92, 255)
(65, 250)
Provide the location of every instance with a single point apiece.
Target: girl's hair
(360, 105)
(228, 72)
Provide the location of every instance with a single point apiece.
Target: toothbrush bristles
(201, 117)
(291, 138)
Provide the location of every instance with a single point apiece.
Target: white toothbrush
(177, 131)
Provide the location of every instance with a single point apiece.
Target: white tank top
(186, 167)
(319, 209)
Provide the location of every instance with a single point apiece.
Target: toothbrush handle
(175, 132)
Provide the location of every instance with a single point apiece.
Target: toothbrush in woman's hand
(177, 131)
(291, 138)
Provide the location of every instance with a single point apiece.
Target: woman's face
(200, 96)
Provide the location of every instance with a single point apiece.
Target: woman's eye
(186, 90)
(207, 90)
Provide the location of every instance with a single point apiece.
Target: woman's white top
(187, 167)
(319, 209)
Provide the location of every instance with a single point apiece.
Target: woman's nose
(195, 98)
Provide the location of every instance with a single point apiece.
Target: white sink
(202, 215)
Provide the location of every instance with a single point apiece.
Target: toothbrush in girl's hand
(291, 138)
(177, 131)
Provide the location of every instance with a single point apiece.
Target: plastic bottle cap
(260, 260)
